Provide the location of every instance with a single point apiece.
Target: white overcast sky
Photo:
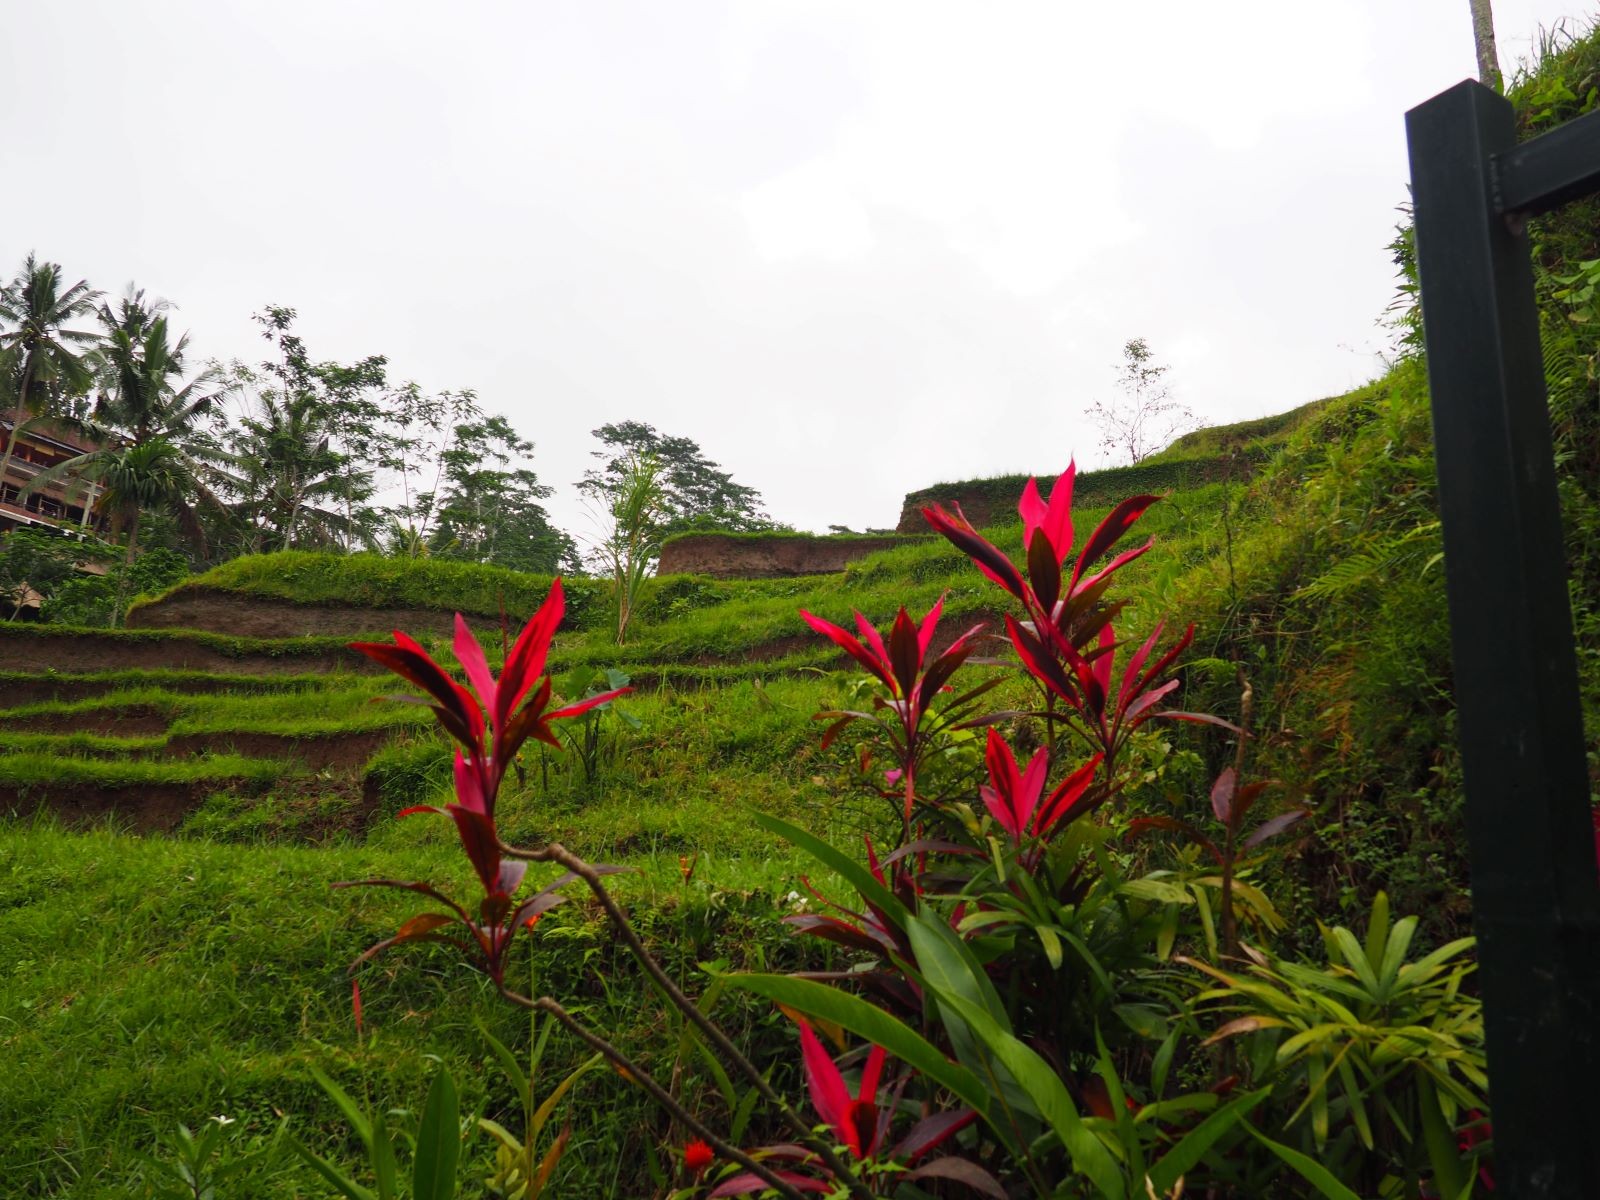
(850, 248)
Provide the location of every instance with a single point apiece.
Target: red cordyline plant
(860, 1125)
(490, 721)
(1066, 640)
(913, 679)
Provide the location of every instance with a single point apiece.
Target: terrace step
(44, 648)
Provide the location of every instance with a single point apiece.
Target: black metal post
(1536, 902)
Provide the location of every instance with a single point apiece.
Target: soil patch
(725, 557)
(335, 751)
(216, 611)
(28, 651)
(136, 720)
(146, 807)
(39, 689)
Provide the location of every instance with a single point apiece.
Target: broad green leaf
(1450, 1174)
(851, 871)
(509, 1064)
(872, 1023)
(433, 1170)
(344, 1185)
(1049, 1094)
(542, 1114)
(1399, 942)
(1309, 1169)
(1377, 931)
(948, 964)
(1051, 944)
(1184, 1156)
(351, 1110)
(1156, 890)
(1356, 959)
(384, 1167)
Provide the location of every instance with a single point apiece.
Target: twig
(557, 853)
(639, 1075)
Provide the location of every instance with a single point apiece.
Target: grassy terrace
(179, 977)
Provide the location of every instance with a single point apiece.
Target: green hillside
(175, 803)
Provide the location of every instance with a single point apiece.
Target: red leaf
(839, 637)
(930, 1133)
(1272, 828)
(1222, 795)
(961, 1171)
(985, 556)
(1110, 531)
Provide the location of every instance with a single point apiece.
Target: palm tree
(141, 371)
(145, 406)
(38, 365)
(292, 478)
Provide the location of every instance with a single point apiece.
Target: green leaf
(853, 872)
(1309, 1169)
(1184, 1156)
(1450, 1174)
(384, 1167)
(433, 1171)
(510, 1065)
(872, 1023)
(344, 1185)
(1041, 1083)
(1051, 944)
(948, 964)
(351, 1110)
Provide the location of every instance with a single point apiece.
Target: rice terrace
(380, 820)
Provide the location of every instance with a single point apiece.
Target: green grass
(177, 980)
(378, 581)
(168, 680)
(224, 644)
(76, 743)
(40, 771)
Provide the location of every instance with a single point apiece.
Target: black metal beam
(1536, 902)
(1550, 170)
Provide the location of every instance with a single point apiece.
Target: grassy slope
(129, 974)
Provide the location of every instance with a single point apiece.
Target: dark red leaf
(1222, 795)
(985, 556)
(1110, 531)
(1272, 828)
(930, 1133)
(959, 1170)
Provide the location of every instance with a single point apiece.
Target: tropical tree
(143, 394)
(146, 405)
(41, 360)
(490, 510)
(291, 481)
(695, 493)
(339, 399)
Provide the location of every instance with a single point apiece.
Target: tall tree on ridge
(38, 363)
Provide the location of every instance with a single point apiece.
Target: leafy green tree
(490, 510)
(36, 562)
(293, 486)
(135, 478)
(634, 507)
(423, 428)
(41, 363)
(332, 413)
(695, 493)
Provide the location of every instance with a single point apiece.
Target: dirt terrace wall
(217, 611)
(744, 557)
